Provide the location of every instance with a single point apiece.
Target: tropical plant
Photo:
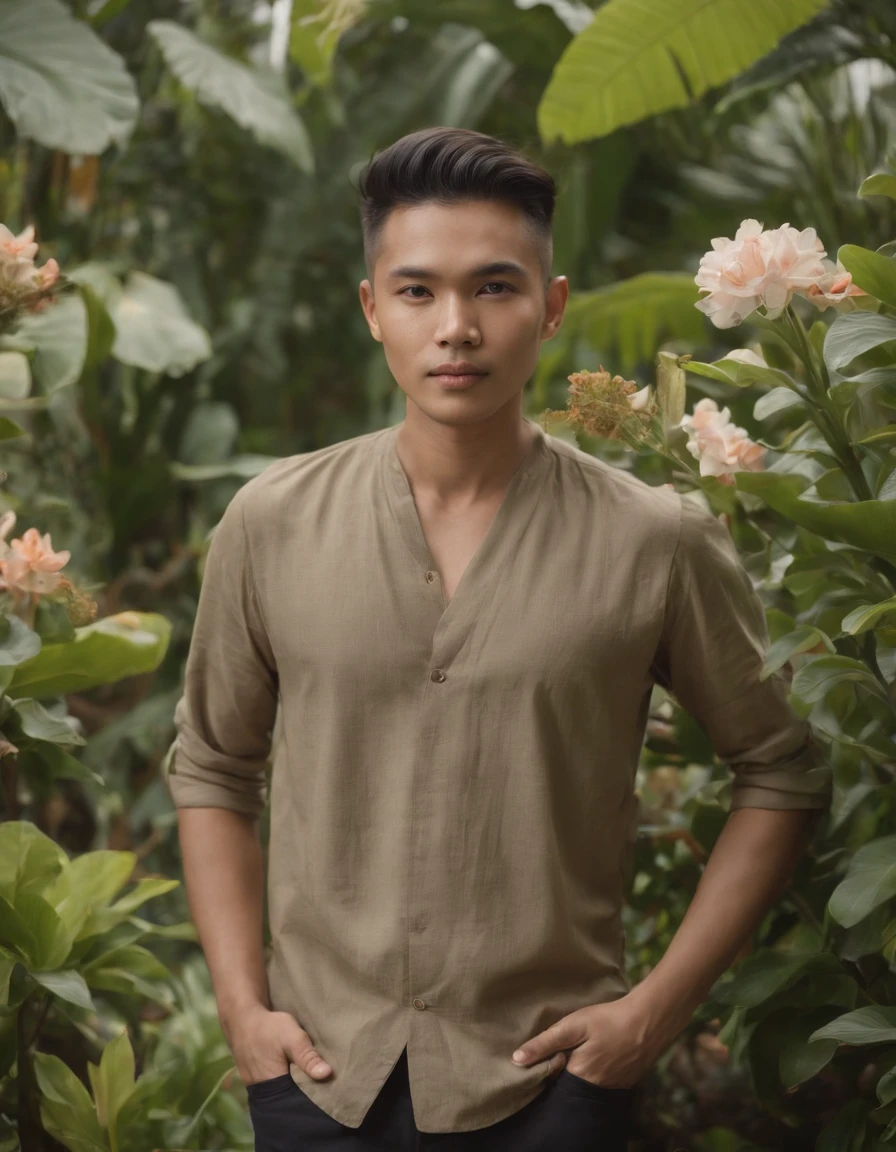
(817, 998)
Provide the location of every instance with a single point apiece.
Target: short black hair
(447, 165)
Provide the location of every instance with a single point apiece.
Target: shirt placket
(432, 794)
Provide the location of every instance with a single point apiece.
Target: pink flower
(833, 288)
(47, 276)
(29, 564)
(757, 269)
(23, 287)
(721, 447)
(21, 247)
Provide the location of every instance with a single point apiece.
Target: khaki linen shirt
(452, 787)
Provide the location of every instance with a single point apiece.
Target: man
(461, 620)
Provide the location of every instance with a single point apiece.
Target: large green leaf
(36, 722)
(66, 1109)
(874, 273)
(145, 889)
(59, 83)
(868, 524)
(869, 882)
(880, 184)
(29, 859)
(67, 985)
(113, 1081)
(256, 100)
(767, 972)
(866, 616)
(86, 887)
(854, 334)
(59, 338)
(801, 639)
(640, 57)
(798, 1060)
(873, 1025)
(153, 329)
(816, 678)
(108, 650)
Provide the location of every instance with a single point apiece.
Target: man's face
(460, 284)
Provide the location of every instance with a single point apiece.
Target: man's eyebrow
(496, 268)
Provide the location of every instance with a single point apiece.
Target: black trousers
(569, 1114)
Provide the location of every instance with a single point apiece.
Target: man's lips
(462, 369)
(453, 382)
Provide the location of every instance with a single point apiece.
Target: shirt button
(438, 675)
(430, 576)
(419, 1005)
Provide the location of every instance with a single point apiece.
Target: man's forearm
(224, 877)
(748, 868)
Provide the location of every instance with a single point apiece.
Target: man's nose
(457, 324)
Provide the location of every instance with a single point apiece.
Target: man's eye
(418, 292)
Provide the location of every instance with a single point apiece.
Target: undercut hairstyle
(449, 165)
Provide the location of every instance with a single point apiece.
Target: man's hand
(611, 1044)
(265, 1043)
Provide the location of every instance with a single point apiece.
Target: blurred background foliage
(192, 166)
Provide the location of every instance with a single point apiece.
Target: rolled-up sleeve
(224, 719)
(715, 638)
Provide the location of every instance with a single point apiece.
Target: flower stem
(829, 422)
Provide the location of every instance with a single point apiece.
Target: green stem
(829, 423)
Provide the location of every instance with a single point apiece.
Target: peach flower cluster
(23, 286)
(28, 565)
(763, 268)
(721, 447)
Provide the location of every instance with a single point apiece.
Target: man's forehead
(467, 235)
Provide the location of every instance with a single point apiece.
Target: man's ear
(557, 295)
(368, 306)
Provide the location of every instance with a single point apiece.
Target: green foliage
(99, 653)
(613, 74)
(60, 84)
(254, 99)
(211, 325)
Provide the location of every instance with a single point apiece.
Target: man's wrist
(233, 1010)
(662, 1012)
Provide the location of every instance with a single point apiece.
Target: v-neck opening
(506, 526)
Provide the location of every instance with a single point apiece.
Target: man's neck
(463, 464)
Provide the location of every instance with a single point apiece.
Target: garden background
(190, 166)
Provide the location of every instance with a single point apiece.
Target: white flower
(833, 288)
(757, 269)
(721, 447)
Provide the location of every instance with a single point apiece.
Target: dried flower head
(600, 404)
(80, 607)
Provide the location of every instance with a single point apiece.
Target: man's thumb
(302, 1052)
